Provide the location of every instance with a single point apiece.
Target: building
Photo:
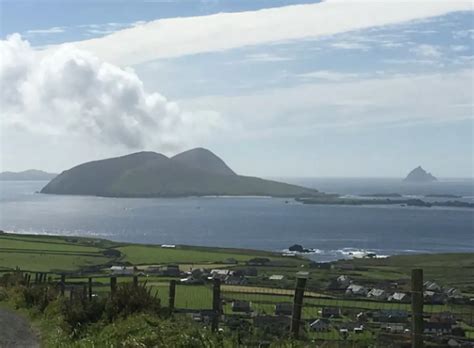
(241, 306)
(394, 328)
(356, 290)
(331, 312)
(377, 294)
(343, 281)
(122, 270)
(171, 271)
(320, 325)
(220, 274)
(434, 297)
(284, 308)
(276, 277)
(235, 280)
(436, 328)
(390, 316)
(190, 281)
(431, 286)
(443, 317)
(399, 297)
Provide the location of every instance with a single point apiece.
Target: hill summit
(419, 175)
(197, 172)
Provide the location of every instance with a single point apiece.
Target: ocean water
(249, 222)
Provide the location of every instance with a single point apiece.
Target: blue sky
(368, 98)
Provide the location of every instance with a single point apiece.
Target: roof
(376, 292)
(276, 277)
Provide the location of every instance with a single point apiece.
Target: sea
(332, 231)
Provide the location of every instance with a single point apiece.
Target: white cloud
(327, 75)
(69, 92)
(354, 104)
(174, 37)
(53, 30)
(264, 57)
(350, 46)
(459, 48)
(427, 51)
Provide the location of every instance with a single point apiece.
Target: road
(15, 331)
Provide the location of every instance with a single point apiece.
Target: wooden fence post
(90, 289)
(417, 308)
(172, 295)
(297, 307)
(216, 304)
(135, 281)
(113, 285)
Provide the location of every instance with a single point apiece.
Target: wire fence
(355, 315)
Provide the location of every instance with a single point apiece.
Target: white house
(356, 290)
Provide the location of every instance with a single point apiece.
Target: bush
(130, 299)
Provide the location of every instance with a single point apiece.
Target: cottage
(331, 312)
(361, 317)
(284, 308)
(343, 280)
(394, 328)
(434, 297)
(399, 297)
(356, 290)
(320, 325)
(122, 270)
(443, 317)
(220, 274)
(390, 316)
(241, 306)
(377, 294)
(171, 271)
(235, 280)
(276, 277)
(436, 328)
(431, 286)
(454, 294)
(190, 281)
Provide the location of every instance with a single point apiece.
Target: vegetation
(197, 172)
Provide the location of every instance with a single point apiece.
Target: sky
(335, 88)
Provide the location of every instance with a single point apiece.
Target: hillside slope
(197, 172)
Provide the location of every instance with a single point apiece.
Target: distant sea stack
(419, 175)
(197, 172)
(27, 175)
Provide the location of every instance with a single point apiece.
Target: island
(197, 172)
(27, 175)
(419, 175)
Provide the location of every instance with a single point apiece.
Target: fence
(302, 313)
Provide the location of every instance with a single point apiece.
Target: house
(377, 294)
(122, 270)
(331, 312)
(436, 328)
(356, 290)
(235, 280)
(171, 271)
(220, 274)
(361, 317)
(276, 277)
(190, 281)
(394, 328)
(443, 317)
(302, 274)
(390, 316)
(168, 246)
(431, 286)
(434, 297)
(320, 325)
(343, 281)
(399, 297)
(284, 308)
(241, 306)
(454, 294)
(355, 327)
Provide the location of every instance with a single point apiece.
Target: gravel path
(15, 331)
